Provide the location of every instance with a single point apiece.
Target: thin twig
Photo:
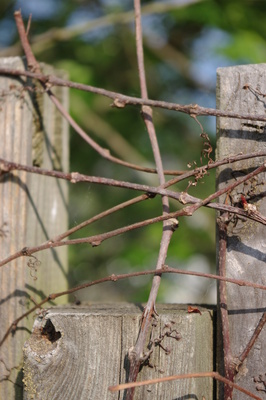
(121, 100)
(213, 375)
(34, 66)
(7, 166)
(98, 239)
(136, 354)
(183, 197)
(230, 187)
(101, 215)
(227, 354)
(202, 170)
(75, 177)
(28, 25)
(253, 339)
(114, 278)
(31, 60)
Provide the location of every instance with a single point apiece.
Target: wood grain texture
(91, 353)
(33, 209)
(246, 256)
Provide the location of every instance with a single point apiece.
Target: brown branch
(74, 177)
(213, 375)
(34, 66)
(121, 100)
(226, 189)
(227, 353)
(253, 339)
(135, 355)
(23, 34)
(114, 278)
(96, 240)
(202, 170)
(146, 196)
(101, 215)
(184, 198)
(105, 153)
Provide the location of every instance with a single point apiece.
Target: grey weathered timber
(86, 352)
(33, 209)
(237, 91)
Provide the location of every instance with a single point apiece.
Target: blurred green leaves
(245, 46)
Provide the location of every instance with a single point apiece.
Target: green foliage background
(184, 43)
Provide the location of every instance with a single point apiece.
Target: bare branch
(253, 339)
(121, 100)
(135, 356)
(228, 361)
(214, 375)
(34, 66)
(114, 278)
(98, 239)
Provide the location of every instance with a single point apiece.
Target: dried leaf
(191, 309)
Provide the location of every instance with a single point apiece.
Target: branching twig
(35, 67)
(98, 239)
(8, 166)
(136, 354)
(114, 278)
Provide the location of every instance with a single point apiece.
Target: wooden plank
(33, 209)
(236, 92)
(88, 352)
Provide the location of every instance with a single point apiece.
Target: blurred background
(185, 41)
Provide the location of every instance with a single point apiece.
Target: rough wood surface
(33, 209)
(86, 350)
(247, 240)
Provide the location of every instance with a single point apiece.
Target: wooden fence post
(33, 209)
(239, 90)
(78, 352)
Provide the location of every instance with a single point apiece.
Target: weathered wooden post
(33, 209)
(78, 352)
(240, 89)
